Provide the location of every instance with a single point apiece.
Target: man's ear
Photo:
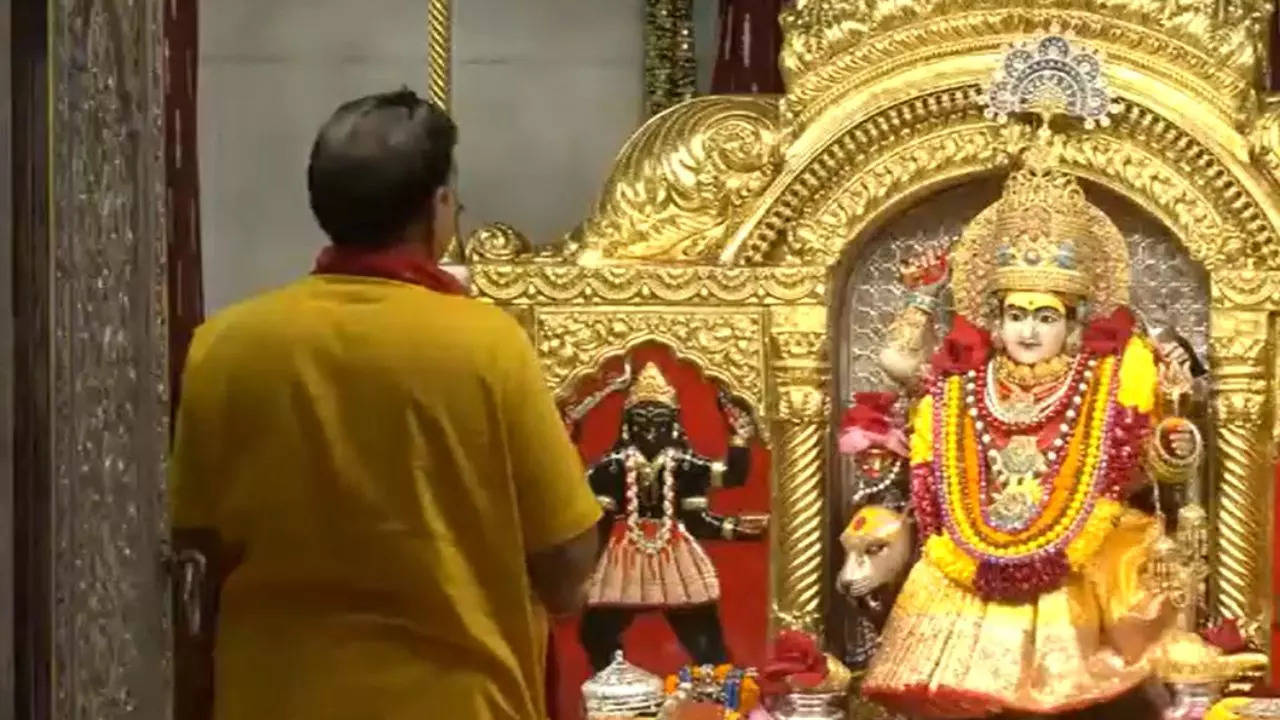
(443, 198)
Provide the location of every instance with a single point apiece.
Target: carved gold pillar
(1239, 346)
(440, 52)
(799, 407)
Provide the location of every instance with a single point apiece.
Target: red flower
(1226, 635)
(796, 661)
(965, 348)
(1108, 335)
(882, 401)
(870, 412)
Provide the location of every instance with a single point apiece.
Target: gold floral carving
(943, 136)
(684, 181)
(1264, 139)
(726, 345)
(1246, 289)
(634, 283)
(1239, 346)
(832, 46)
(497, 242)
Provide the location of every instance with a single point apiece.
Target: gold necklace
(1032, 376)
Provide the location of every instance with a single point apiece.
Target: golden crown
(1043, 232)
(651, 386)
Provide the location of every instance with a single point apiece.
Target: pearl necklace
(665, 463)
(993, 408)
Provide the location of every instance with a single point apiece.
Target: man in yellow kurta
(381, 460)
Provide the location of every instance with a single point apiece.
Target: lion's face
(877, 545)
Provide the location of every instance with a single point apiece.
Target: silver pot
(1192, 700)
(810, 706)
(622, 690)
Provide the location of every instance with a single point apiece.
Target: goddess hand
(927, 273)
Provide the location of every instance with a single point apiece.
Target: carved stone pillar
(1241, 488)
(92, 371)
(799, 370)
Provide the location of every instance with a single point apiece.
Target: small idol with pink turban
(869, 433)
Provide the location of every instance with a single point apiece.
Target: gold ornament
(1044, 235)
(651, 386)
(1185, 658)
(725, 225)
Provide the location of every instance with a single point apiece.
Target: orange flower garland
(1080, 497)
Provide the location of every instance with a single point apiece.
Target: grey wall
(270, 72)
(545, 93)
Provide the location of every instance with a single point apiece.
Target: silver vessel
(622, 691)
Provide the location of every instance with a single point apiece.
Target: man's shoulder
(241, 311)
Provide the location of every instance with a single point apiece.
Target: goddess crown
(1043, 233)
(651, 386)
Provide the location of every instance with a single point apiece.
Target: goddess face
(877, 545)
(651, 426)
(1033, 326)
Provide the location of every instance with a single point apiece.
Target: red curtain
(742, 566)
(749, 42)
(182, 176)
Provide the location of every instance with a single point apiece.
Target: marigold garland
(1083, 488)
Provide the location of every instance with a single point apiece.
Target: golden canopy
(722, 226)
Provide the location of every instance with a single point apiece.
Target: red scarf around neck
(405, 263)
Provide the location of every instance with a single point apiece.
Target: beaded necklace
(1074, 512)
(665, 463)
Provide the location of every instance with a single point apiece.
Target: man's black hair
(376, 165)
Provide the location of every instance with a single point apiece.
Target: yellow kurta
(946, 652)
(386, 457)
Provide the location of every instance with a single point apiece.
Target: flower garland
(1091, 470)
(737, 690)
(634, 460)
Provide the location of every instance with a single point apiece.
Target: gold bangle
(728, 528)
(694, 504)
(1169, 469)
(717, 474)
(607, 503)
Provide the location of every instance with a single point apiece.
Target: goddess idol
(654, 490)
(1038, 420)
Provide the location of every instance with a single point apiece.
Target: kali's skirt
(947, 653)
(678, 575)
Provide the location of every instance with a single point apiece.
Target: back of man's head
(377, 166)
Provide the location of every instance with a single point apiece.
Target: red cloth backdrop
(182, 178)
(743, 566)
(749, 42)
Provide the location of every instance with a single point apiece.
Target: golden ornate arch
(733, 212)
